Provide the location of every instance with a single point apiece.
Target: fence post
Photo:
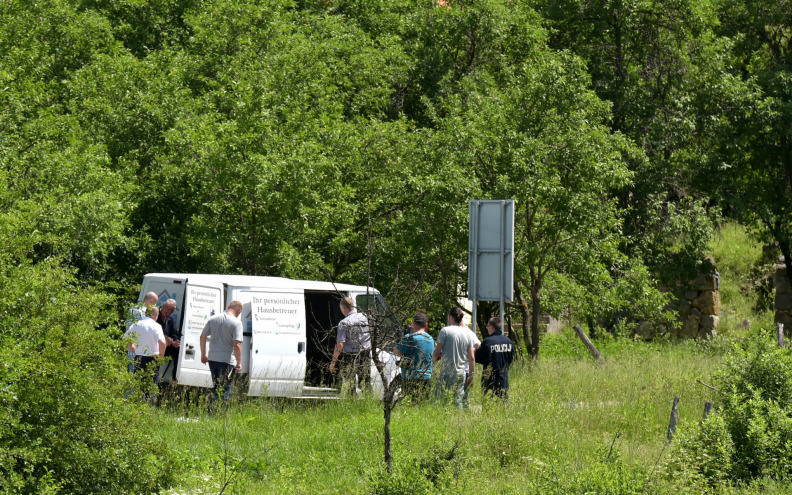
(780, 333)
(674, 418)
(707, 409)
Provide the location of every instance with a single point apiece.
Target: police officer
(495, 354)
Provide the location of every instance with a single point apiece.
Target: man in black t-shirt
(172, 338)
(495, 354)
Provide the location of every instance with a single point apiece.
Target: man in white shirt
(148, 342)
(134, 315)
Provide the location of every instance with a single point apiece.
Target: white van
(289, 328)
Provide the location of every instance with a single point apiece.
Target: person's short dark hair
(456, 314)
(495, 322)
(347, 302)
(420, 319)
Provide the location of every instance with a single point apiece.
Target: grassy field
(563, 414)
(571, 426)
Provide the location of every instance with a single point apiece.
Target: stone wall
(699, 312)
(783, 298)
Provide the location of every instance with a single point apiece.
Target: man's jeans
(451, 386)
(220, 378)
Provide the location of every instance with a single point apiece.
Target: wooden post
(674, 418)
(707, 409)
(589, 345)
(780, 331)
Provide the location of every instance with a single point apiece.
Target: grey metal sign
(491, 252)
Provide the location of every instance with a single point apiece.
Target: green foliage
(65, 426)
(607, 472)
(403, 481)
(750, 437)
(655, 62)
(746, 269)
(281, 137)
(424, 475)
(703, 454)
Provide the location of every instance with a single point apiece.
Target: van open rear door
(201, 302)
(166, 288)
(277, 354)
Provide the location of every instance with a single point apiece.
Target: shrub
(64, 424)
(406, 480)
(750, 437)
(429, 474)
(703, 454)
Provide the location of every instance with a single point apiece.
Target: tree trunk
(526, 318)
(536, 308)
(617, 93)
(592, 328)
(387, 407)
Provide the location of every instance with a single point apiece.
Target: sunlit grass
(738, 256)
(561, 411)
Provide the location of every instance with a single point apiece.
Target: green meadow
(570, 425)
(563, 417)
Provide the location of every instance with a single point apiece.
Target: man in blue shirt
(416, 358)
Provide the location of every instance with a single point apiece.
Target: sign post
(491, 253)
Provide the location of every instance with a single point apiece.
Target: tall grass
(570, 426)
(738, 256)
(561, 413)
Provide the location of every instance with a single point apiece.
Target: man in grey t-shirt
(353, 346)
(455, 358)
(225, 349)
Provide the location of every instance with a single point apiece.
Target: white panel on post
(278, 344)
(201, 302)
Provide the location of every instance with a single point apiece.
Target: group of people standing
(154, 333)
(453, 358)
(449, 364)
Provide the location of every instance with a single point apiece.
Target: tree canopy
(285, 137)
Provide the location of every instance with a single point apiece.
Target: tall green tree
(647, 58)
(754, 161)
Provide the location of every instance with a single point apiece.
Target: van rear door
(278, 343)
(165, 288)
(202, 300)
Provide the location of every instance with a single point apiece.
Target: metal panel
(201, 302)
(277, 354)
(491, 250)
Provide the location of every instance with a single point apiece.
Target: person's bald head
(151, 298)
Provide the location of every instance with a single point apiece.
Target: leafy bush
(429, 474)
(750, 437)
(703, 457)
(64, 424)
(406, 480)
